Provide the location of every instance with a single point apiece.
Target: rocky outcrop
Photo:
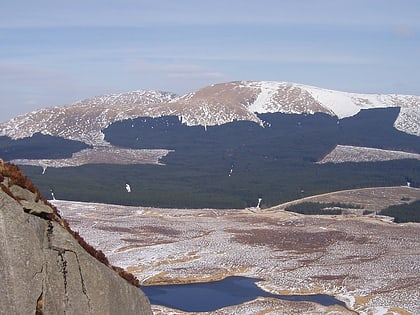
(45, 268)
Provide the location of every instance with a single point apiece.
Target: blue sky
(57, 52)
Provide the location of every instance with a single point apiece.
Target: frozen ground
(347, 153)
(373, 266)
(101, 155)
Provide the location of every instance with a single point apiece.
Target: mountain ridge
(212, 105)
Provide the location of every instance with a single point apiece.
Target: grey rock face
(44, 269)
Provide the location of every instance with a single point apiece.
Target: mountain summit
(213, 105)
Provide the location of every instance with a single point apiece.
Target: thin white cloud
(201, 75)
(174, 70)
(25, 88)
(303, 53)
(135, 13)
(17, 74)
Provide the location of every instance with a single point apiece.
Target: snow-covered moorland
(371, 265)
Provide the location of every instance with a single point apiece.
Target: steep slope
(213, 105)
(45, 268)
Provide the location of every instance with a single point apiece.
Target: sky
(58, 52)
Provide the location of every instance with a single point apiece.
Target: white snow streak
(345, 104)
(268, 89)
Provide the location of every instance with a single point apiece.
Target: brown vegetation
(16, 177)
(302, 241)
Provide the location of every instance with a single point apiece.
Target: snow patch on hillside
(265, 97)
(409, 120)
(345, 104)
(340, 103)
(347, 153)
(101, 155)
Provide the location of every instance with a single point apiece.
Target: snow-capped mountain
(213, 105)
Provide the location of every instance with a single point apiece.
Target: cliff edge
(46, 268)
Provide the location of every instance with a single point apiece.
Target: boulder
(44, 269)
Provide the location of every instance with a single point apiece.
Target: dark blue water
(210, 296)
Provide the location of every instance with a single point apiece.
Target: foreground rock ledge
(45, 270)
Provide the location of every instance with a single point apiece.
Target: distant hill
(213, 105)
(227, 144)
